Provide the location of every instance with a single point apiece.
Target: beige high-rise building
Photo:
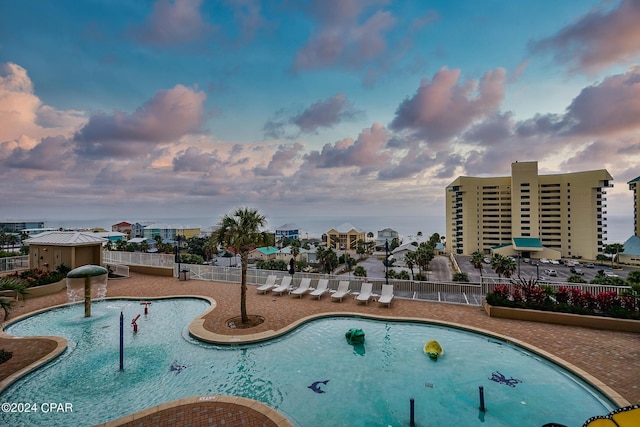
(634, 185)
(536, 216)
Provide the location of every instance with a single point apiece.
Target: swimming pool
(368, 386)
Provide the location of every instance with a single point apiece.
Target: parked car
(589, 265)
(610, 274)
(550, 272)
(544, 260)
(577, 271)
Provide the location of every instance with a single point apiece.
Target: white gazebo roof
(66, 238)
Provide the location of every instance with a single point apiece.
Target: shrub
(461, 277)
(527, 294)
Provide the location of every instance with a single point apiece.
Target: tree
(8, 283)
(410, 261)
(476, 260)
(295, 247)
(241, 231)
(360, 271)
(461, 277)
(613, 249)
(360, 249)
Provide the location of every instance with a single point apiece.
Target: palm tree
(241, 231)
(295, 247)
(410, 261)
(476, 259)
(9, 283)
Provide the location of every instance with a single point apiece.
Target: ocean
(619, 228)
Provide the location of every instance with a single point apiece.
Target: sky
(136, 109)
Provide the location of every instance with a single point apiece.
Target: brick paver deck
(612, 358)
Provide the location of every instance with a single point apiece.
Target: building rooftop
(65, 238)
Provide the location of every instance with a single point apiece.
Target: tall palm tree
(410, 261)
(241, 231)
(476, 259)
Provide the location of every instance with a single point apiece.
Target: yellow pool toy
(629, 416)
(433, 349)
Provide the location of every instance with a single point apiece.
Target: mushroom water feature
(87, 277)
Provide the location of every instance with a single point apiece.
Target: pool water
(359, 386)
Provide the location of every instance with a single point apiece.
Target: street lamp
(537, 271)
(386, 261)
(178, 238)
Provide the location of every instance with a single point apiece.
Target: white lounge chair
(386, 295)
(268, 285)
(342, 291)
(305, 286)
(365, 294)
(323, 287)
(285, 286)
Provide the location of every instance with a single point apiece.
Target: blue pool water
(368, 386)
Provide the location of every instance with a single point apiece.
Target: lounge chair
(365, 294)
(305, 286)
(285, 286)
(323, 287)
(342, 291)
(268, 285)
(386, 295)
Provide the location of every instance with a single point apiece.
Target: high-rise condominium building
(634, 185)
(537, 216)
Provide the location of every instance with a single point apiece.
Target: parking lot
(531, 270)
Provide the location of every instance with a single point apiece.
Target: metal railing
(490, 285)
(14, 263)
(455, 292)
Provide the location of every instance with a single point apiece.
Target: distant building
(137, 228)
(634, 185)
(112, 236)
(386, 235)
(123, 227)
(170, 232)
(345, 237)
(537, 216)
(290, 231)
(400, 252)
(631, 253)
(265, 253)
(18, 226)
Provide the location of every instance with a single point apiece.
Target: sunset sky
(169, 108)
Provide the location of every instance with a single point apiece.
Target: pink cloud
(443, 107)
(172, 23)
(168, 116)
(340, 38)
(367, 152)
(598, 39)
(610, 107)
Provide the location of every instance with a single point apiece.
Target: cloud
(23, 113)
(247, 13)
(282, 160)
(340, 38)
(173, 23)
(50, 154)
(443, 107)
(168, 116)
(321, 114)
(598, 39)
(607, 108)
(365, 153)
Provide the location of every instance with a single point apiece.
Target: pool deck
(607, 358)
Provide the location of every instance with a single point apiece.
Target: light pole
(386, 261)
(178, 254)
(537, 271)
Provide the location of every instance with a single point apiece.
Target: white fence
(455, 292)
(14, 263)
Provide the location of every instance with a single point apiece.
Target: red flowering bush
(528, 294)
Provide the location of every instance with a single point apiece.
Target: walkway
(610, 357)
